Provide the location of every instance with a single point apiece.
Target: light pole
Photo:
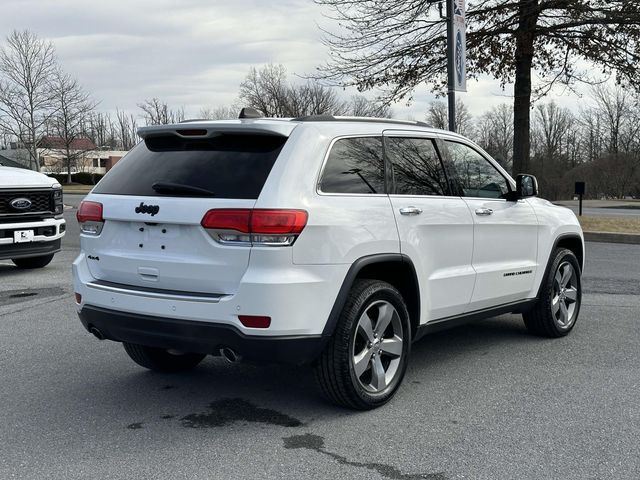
(451, 81)
(451, 59)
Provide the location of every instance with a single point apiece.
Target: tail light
(90, 218)
(244, 226)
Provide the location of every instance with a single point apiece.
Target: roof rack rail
(189, 120)
(332, 118)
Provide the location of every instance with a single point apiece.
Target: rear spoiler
(208, 129)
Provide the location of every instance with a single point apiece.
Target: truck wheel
(365, 360)
(556, 311)
(33, 262)
(161, 360)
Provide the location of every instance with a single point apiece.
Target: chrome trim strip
(154, 293)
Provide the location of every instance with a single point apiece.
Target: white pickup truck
(31, 222)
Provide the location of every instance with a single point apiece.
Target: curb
(607, 237)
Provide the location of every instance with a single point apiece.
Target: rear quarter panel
(340, 228)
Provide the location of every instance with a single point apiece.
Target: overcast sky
(192, 53)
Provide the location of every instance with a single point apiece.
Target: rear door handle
(483, 212)
(410, 211)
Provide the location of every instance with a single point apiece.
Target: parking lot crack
(313, 442)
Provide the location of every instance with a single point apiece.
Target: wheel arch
(394, 268)
(570, 241)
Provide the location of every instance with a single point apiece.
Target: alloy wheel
(377, 346)
(564, 299)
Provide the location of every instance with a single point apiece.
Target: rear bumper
(200, 337)
(298, 299)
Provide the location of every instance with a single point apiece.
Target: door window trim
(319, 190)
(510, 184)
(389, 163)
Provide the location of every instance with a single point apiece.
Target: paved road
(485, 401)
(605, 208)
(608, 212)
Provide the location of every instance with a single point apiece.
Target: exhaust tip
(230, 355)
(96, 333)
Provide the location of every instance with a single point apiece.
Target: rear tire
(556, 311)
(33, 262)
(365, 360)
(161, 360)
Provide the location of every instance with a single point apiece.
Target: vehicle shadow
(480, 337)
(218, 393)
(9, 269)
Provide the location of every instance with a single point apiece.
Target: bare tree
(73, 108)
(27, 99)
(266, 90)
(269, 91)
(127, 130)
(313, 99)
(615, 106)
(438, 117)
(398, 45)
(157, 112)
(101, 131)
(550, 130)
(218, 113)
(494, 133)
(361, 106)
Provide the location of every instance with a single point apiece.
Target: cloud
(193, 53)
(189, 53)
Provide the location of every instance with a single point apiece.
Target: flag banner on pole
(460, 46)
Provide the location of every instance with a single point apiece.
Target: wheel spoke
(362, 361)
(558, 279)
(572, 294)
(555, 305)
(365, 326)
(385, 314)
(564, 313)
(566, 275)
(392, 346)
(378, 377)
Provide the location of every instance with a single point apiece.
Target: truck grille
(41, 201)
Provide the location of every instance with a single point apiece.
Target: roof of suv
(282, 126)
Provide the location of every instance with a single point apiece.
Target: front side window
(416, 166)
(355, 165)
(472, 175)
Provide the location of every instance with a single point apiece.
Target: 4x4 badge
(150, 209)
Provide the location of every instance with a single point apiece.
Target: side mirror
(526, 186)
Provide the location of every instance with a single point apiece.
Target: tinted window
(473, 175)
(355, 165)
(230, 166)
(416, 166)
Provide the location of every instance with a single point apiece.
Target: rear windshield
(227, 166)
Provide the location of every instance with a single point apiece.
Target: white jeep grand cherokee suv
(31, 223)
(327, 241)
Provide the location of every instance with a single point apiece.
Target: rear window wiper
(167, 187)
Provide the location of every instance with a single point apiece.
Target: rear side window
(228, 166)
(417, 169)
(355, 165)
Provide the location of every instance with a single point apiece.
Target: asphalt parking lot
(486, 401)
